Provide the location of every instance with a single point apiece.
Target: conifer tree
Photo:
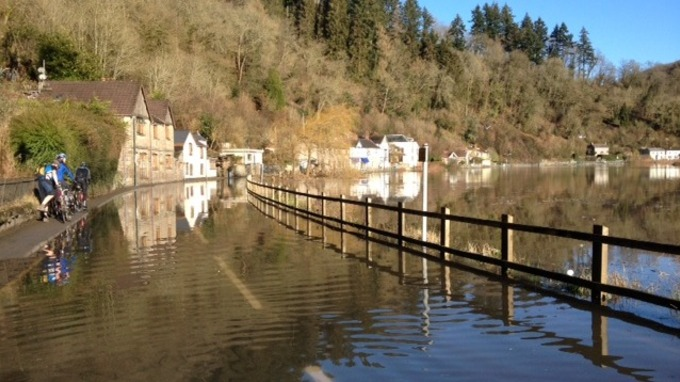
(428, 44)
(585, 55)
(478, 22)
(362, 41)
(509, 29)
(538, 51)
(411, 17)
(493, 21)
(456, 33)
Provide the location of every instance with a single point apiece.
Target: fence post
(400, 224)
(296, 213)
(323, 218)
(309, 223)
(342, 224)
(507, 247)
(600, 264)
(444, 232)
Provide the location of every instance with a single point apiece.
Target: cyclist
(48, 184)
(83, 179)
(64, 171)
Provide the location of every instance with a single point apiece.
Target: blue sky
(647, 31)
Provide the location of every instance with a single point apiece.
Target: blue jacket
(64, 170)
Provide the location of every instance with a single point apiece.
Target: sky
(646, 31)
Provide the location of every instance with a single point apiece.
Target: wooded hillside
(257, 73)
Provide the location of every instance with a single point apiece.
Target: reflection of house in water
(193, 207)
(601, 175)
(477, 176)
(664, 172)
(388, 187)
(148, 218)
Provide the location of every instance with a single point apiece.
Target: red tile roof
(122, 95)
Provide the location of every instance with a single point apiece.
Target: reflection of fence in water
(539, 256)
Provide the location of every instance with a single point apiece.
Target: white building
(403, 150)
(191, 151)
(366, 155)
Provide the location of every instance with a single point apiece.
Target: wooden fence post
(309, 222)
(323, 218)
(600, 266)
(444, 232)
(507, 247)
(400, 224)
(342, 224)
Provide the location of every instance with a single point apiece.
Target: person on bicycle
(83, 180)
(64, 171)
(48, 184)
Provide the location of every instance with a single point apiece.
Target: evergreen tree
(538, 50)
(478, 22)
(428, 44)
(362, 42)
(561, 44)
(392, 18)
(509, 28)
(336, 26)
(411, 17)
(493, 21)
(456, 33)
(585, 55)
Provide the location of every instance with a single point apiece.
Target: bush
(85, 132)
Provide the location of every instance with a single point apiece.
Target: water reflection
(664, 172)
(388, 187)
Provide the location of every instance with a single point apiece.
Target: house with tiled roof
(147, 154)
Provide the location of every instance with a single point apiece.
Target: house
(146, 155)
(249, 161)
(468, 157)
(658, 154)
(597, 150)
(403, 150)
(366, 155)
(191, 152)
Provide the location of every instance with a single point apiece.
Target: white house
(403, 150)
(191, 151)
(366, 155)
(656, 153)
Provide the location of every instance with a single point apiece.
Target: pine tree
(509, 29)
(456, 33)
(428, 44)
(538, 50)
(362, 42)
(493, 21)
(585, 55)
(478, 23)
(411, 17)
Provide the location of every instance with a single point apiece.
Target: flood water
(190, 283)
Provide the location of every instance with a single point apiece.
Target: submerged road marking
(252, 300)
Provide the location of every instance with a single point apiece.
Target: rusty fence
(316, 208)
(15, 189)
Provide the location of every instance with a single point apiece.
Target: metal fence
(15, 189)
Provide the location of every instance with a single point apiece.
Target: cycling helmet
(61, 156)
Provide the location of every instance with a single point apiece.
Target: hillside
(272, 73)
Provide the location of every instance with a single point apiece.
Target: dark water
(190, 283)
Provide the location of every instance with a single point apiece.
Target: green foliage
(275, 89)
(84, 132)
(64, 61)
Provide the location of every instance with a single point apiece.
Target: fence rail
(290, 200)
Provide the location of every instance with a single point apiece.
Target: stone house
(147, 154)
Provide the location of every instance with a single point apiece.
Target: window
(156, 131)
(191, 149)
(168, 133)
(141, 127)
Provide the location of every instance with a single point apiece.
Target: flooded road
(191, 283)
